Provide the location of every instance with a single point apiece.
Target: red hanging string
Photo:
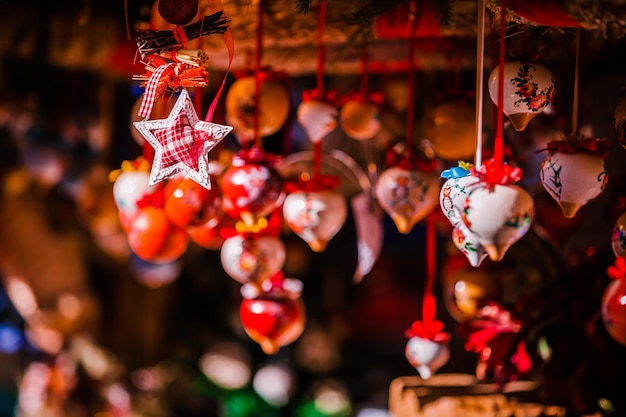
(258, 74)
(429, 308)
(321, 20)
(411, 97)
(214, 6)
(498, 146)
(364, 58)
(317, 147)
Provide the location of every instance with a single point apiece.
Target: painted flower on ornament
(534, 99)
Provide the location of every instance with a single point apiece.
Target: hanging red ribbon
(258, 74)
(411, 98)
(498, 146)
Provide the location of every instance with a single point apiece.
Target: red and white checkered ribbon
(149, 95)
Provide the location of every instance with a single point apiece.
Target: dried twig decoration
(157, 41)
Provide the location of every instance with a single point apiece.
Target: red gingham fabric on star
(149, 94)
(181, 143)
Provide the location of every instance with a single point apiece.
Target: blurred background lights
(227, 366)
(331, 399)
(11, 339)
(155, 275)
(274, 383)
(372, 412)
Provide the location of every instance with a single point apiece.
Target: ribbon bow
(494, 173)
(618, 269)
(139, 164)
(365, 97)
(575, 144)
(254, 155)
(331, 97)
(401, 156)
(463, 170)
(432, 330)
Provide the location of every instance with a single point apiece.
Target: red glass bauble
(212, 234)
(153, 238)
(251, 191)
(189, 203)
(272, 321)
(614, 310)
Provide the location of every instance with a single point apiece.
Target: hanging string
(411, 97)
(576, 78)
(317, 146)
(321, 20)
(498, 146)
(364, 60)
(480, 66)
(429, 308)
(258, 74)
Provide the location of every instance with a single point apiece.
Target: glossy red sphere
(272, 322)
(614, 310)
(189, 203)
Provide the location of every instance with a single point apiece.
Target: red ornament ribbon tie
(495, 173)
(597, 146)
(618, 269)
(365, 97)
(401, 156)
(254, 155)
(332, 97)
(431, 330)
(316, 183)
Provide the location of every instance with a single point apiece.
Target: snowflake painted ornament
(181, 142)
(573, 172)
(274, 315)
(528, 90)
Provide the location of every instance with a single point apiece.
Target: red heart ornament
(272, 319)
